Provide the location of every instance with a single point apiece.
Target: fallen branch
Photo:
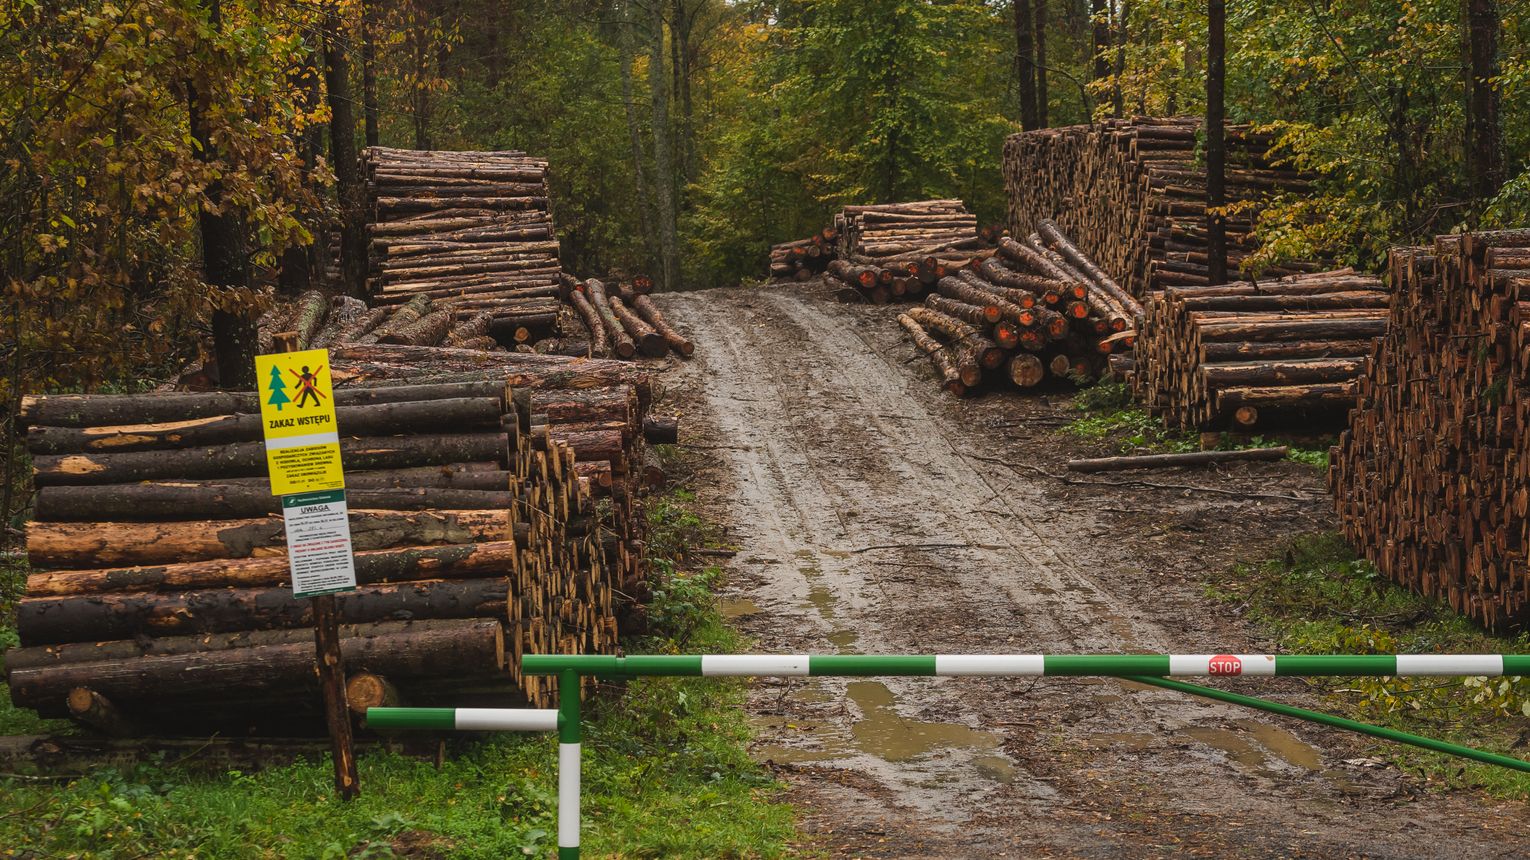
(1170, 461)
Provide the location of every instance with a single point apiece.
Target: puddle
(737, 607)
(822, 599)
(1272, 741)
(1285, 745)
(844, 640)
(882, 732)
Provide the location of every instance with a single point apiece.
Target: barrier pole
(569, 759)
(1338, 722)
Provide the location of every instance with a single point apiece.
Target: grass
(1317, 597)
(666, 774)
(1110, 417)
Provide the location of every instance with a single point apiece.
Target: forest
(168, 165)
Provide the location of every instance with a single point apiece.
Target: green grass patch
(1317, 597)
(1111, 418)
(666, 773)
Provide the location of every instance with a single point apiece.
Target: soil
(873, 513)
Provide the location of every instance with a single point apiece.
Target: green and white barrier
(1031, 665)
(1150, 669)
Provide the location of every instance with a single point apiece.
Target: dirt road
(875, 514)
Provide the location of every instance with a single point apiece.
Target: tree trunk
(458, 649)
(176, 501)
(51, 620)
(646, 200)
(1025, 68)
(344, 159)
(1216, 159)
(1171, 461)
(121, 544)
(1040, 34)
(373, 567)
(369, 71)
(224, 261)
(1484, 129)
(663, 155)
(1100, 40)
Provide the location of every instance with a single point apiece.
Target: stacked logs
(622, 321)
(160, 598)
(608, 433)
(1037, 308)
(1432, 480)
(1132, 192)
(801, 259)
(889, 233)
(471, 230)
(1243, 356)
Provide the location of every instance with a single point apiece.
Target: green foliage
(1366, 94)
(1317, 598)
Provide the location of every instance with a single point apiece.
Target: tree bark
(51, 620)
(151, 502)
(369, 71)
(663, 155)
(224, 259)
(1025, 64)
(344, 159)
(1040, 33)
(125, 544)
(1171, 461)
(1100, 40)
(1216, 157)
(1484, 128)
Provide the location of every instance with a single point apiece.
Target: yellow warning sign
(297, 414)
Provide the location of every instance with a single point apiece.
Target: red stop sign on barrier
(1224, 664)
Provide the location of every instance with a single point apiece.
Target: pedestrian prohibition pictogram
(297, 412)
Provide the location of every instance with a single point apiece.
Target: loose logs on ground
(160, 579)
(1242, 356)
(801, 259)
(1432, 479)
(1045, 312)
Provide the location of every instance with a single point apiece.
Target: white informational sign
(319, 543)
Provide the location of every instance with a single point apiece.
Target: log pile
(889, 233)
(621, 321)
(159, 591)
(1037, 308)
(1247, 356)
(1132, 193)
(1432, 478)
(470, 230)
(801, 259)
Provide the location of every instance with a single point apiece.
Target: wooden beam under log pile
(159, 572)
(1255, 356)
(1431, 480)
(1133, 196)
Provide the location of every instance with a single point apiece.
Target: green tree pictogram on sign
(278, 390)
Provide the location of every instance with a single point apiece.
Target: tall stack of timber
(1037, 308)
(160, 598)
(1243, 356)
(1432, 478)
(472, 231)
(600, 409)
(801, 259)
(1133, 195)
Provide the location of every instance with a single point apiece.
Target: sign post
(297, 417)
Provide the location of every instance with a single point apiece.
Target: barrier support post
(569, 739)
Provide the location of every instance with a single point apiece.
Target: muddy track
(874, 514)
